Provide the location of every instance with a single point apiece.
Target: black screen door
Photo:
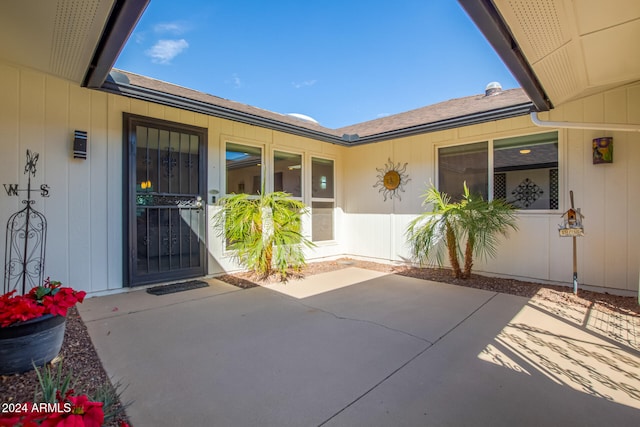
(165, 198)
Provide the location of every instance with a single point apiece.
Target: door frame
(129, 123)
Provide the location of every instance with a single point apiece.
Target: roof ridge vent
(492, 88)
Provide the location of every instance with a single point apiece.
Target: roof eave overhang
(122, 20)
(163, 98)
(489, 21)
(502, 113)
(188, 104)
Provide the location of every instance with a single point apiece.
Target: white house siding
(608, 255)
(84, 211)
(40, 113)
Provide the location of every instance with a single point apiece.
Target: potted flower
(32, 325)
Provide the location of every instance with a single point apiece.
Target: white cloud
(235, 80)
(380, 115)
(175, 28)
(165, 50)
(299, 85)
(139, 37)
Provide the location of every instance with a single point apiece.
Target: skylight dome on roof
(303, 117)
(493, 88)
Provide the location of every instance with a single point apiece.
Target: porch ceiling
(574, 48)
(577, 48)
(70, 39)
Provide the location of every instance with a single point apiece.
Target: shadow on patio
(368, 350)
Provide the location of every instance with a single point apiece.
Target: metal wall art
(391, 180)
(26, 236)
(602, 150)
(527, 193)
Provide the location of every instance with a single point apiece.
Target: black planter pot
(36, 341)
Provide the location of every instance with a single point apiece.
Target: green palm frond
(264, 233)
(473, 221)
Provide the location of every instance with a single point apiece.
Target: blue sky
(340, 62)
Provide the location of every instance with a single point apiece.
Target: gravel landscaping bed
(79, 355)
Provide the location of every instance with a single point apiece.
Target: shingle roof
(453, 108)
(172, 89)
(418, 118)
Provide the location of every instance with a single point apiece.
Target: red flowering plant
(68, 411)
(49, 298)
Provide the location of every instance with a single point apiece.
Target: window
(464, 163)
(287, 173)
(244, 169)
(525, 170)
(322, 199)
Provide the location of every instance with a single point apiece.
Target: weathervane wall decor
(26, 236)
(391, 179)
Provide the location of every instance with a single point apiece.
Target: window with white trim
(244, 168)
(287, 173)
(524, 170)
(464, 163)
(322, 199)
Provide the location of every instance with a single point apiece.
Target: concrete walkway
(360, 348)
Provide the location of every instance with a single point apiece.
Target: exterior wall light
(80, 144)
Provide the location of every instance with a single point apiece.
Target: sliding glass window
(287, 173)
(525, 170)
(244, 169)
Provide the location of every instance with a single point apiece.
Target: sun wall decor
(391, 180)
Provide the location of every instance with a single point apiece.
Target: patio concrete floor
(361, 348)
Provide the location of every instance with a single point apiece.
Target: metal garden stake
(572, 227)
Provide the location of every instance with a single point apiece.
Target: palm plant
(474, 220)
(264, 232)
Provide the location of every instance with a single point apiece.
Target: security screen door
(165, 215)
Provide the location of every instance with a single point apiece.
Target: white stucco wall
(608, 254)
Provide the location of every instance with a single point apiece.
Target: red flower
(90, 412)
(73, 411)
(83, 413)
(62, 300)
(78, 411)
(49, 298)
(21, 419)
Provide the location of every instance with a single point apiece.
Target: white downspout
(577, 125)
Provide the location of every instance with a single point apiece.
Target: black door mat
(177, 287)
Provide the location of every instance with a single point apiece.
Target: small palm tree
(473, 219)
(264, 232)
(433, 232)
